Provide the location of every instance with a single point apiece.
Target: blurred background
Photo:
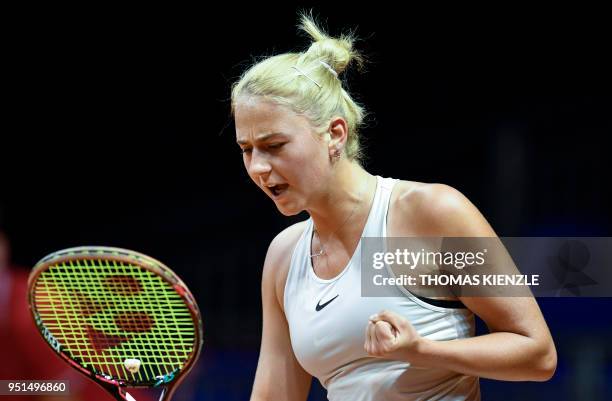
(118, 133)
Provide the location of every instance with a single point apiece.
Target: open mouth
(279, 189)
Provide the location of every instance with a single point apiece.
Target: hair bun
(338, 53)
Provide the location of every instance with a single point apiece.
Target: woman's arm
(279, 375)
(519, 346)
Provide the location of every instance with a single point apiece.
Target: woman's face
(282, 153)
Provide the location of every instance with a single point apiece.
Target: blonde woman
(298, 130)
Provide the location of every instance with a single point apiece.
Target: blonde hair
(308, 82)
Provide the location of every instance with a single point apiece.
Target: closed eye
(272, 146)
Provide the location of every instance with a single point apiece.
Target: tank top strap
(377, 221)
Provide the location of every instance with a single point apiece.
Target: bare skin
(301, 158)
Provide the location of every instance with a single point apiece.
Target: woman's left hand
(391, 336)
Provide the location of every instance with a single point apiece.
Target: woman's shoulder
(285, 241)
(430, 209)
(421, 196)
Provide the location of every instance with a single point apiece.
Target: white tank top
(327, 321)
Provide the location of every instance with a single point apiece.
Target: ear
(338, 134)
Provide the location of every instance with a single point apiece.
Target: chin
(288, 211)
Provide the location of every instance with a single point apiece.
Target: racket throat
(128, 397)
(117, 391)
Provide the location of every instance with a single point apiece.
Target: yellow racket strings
(103, 312)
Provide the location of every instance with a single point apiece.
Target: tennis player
(298, 130)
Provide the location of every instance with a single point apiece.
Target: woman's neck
(346, 200)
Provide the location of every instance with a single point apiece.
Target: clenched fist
(391, 336)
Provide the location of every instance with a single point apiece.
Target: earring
(337, 153)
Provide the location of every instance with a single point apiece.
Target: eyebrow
(261, 137)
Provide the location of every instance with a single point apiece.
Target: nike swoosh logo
(319, 306)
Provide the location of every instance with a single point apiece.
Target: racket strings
(103, 312)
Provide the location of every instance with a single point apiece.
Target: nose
(259, 164)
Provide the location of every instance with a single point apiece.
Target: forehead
(255, 117)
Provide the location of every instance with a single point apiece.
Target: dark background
(119, 134)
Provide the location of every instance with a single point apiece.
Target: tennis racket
(120, 317)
